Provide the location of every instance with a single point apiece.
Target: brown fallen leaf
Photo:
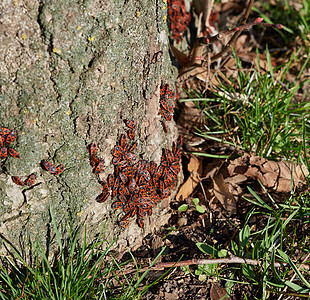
(195, 169)
(218, 293)
(280, 176)
(223, 195)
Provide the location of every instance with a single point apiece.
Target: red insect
(123, 141)
(123, 177)
(117, 205)
(115, 187)
(110, 180)
(122, 190)
(3, 153)
(133, 147)
(102, 197)
(131, 134)
(124, 223)
(59, 169)
(130, 156)
(122, 199)
(10, 138)
(17, 180)
(30, 180)
(116, 153)
(49, 167)
(4, 131)
(164, 126)
(13, 153)
(132, 185)
(131, 124)
(122, 164)
(93, 149)
(2, 139)
(104, 185)
(167, 116)
(116, 160)
(140, 222)
(99, 167)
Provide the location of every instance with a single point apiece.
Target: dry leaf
(218, 293)
(279, 176)
(195, 169)
(222, 193)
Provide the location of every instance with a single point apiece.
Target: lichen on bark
(71, 72)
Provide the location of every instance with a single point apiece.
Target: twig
(230, 260)
(235, 36)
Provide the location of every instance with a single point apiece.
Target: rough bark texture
(71, 72)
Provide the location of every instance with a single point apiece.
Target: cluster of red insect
(165, 109)
(7, 136)
(96, 163)
(179, 18)
(29, 181)
(139, 185)
(52, 168)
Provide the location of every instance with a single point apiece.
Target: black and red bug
(4, 131)
(117, 205)
(124, 223)
(123, 141)
(116, 153)
(102, 197)
(10, 138)
(115, 187)
(2, 139)
(146, 175)
(132, 184)
(164, 104)
(3, 152)
(131, 124)
(140, 222)
(49, 166)
(93, 149)
(17, 180)
(122, 198)
(99, 168)
(59, 169)
(167, 116)
(130, 156)
(30, 180)
(122, 190)
(122, 164)
(131, 134)
(104, 185)
(13, 153)
(123, 177)
(116, 160)
(133, 147)
(110, 180)
(164, 126)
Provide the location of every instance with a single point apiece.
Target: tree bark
(71, 72)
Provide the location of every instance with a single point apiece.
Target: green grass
(296, 22)
(257, 113)
(274, 242)
(80, 271)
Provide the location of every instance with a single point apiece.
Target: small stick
(230, 260)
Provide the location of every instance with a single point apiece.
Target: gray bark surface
(71, 72)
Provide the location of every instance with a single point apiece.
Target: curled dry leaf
(218, 293)
(195, 169)
(279, 176)
(223, 195)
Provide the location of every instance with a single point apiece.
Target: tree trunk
(71, 73)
